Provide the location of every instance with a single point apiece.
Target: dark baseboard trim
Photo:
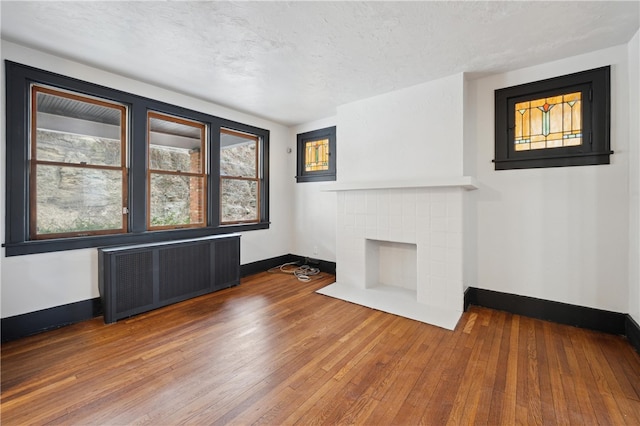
(323, 265)
(563, 313)
(264, 265)
(24, 325)
(632, 331)
(30, 323)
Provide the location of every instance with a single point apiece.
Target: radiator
(139, 278)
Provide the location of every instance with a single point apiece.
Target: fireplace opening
(389, 263)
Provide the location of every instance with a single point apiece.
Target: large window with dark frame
(78, 173)
(562, 121)
(90, 166)
(239, 177)
(177, 172)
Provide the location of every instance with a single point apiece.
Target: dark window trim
(18, 79)
(595, 87)
(35, 162)
(202, 174)
(257, 178)
(316, 176)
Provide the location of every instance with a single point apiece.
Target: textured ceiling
(294, 62)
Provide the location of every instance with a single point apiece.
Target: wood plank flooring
(273, 352)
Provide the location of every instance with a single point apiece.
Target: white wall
(408, 134)
(470, 199)
(314, 224)
(33, 282)
(559, 234)
(634, 177)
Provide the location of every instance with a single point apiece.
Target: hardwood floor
(271, 351)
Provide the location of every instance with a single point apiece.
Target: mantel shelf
(466, 182)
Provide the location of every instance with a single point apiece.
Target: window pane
(74, 131)
(177, 200)
(175, 144)
(239, 200)
(316, 155)
(77, 199)
(548, 122)
(238, 155)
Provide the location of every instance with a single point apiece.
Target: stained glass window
(548, 122)
(317, 155)
(557, 122)
(316, 152)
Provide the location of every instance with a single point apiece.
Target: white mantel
(422, 217)
(466, 182)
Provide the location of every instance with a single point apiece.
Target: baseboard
(264, 265)
(30, 323)
(323, 265)
(632, 331)
(563, 313)
(24, 325)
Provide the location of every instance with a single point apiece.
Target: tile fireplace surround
(385, 231)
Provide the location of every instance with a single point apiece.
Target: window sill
(63, 244)
(585, 159)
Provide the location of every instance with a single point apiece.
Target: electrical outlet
(315, 250)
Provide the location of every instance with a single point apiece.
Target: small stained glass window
(557, 122)
(317, 155)
(548, 122)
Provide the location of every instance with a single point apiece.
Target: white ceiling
(294, 62)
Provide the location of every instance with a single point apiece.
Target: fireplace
(400, 247)
(390, 264)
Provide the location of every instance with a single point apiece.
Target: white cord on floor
(302, 273)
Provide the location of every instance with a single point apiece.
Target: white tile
(437, 291)
(438, 195)
(371, 202)
(454, 240)
(383, 201)
(454, 256)
(454, 224)
(395, 203)
(349, 220)
(438, 239)
(360, 203)
(371, 233)
(350, 203)
(423, 195)
(409, 236)
(408, 203)
(409, 223)
(340, 202)
(383, 234)
(423, 209)
(395, 222)
(348, 231)
(371, 221)
(437, 269)
(439, 224)
(438, 209)
(423, 233)
(438, 254)
(454, 272)
(395, 234)
(383, 221)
